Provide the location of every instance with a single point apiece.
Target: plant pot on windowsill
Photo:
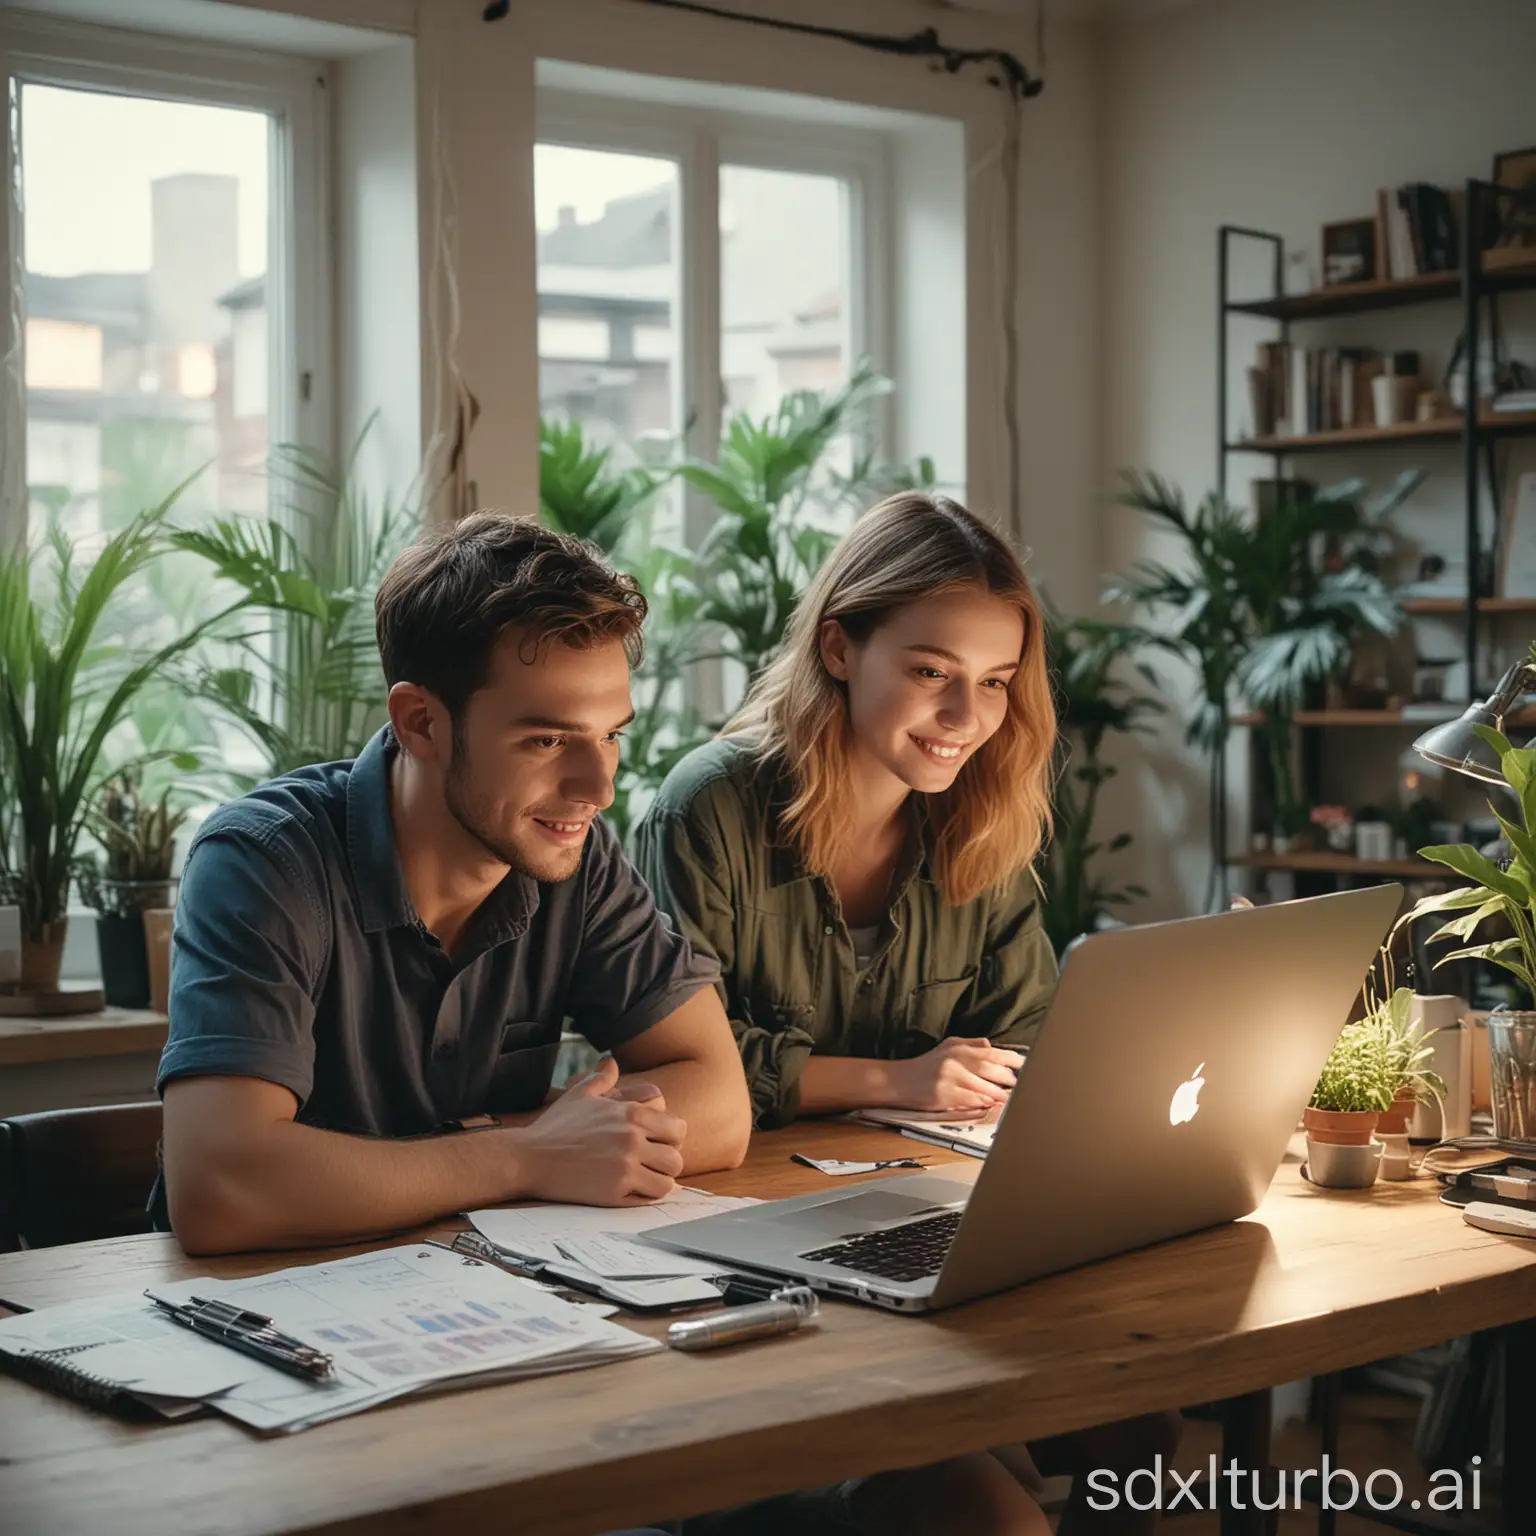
(42, 956)
(121, 939)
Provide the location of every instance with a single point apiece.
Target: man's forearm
(829, 1084)
(718, 1113)
(293, 1186)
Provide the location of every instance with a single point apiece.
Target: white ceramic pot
(1336, 1167)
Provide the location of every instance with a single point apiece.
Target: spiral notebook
(113, 1352)
(60, 1371)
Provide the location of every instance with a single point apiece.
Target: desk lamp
(1455, 745)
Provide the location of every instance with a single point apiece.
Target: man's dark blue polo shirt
(299, 958)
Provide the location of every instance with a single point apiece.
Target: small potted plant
(65, 686)
(138, 842)
(1357, 1084)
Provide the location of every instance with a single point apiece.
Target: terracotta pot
(42, 952)
(1341, 1127)
(1395, 1121)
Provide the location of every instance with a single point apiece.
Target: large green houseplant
(1499, 899)
(307, 686)
(1264, 608)
(583, 492)
(1093, 700)
(1501, 894)
(780, 505)
(65, 688)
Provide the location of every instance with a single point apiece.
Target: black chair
(69, 1175)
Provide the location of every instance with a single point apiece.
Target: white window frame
(293, 92)
(701, 140)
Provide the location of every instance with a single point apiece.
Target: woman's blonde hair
(990, 824)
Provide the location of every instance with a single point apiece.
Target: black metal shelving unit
(1476, 283)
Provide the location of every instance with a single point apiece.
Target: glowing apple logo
(1186, 1098)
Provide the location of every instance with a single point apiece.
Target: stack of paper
(602, 1248)
(399, 1321)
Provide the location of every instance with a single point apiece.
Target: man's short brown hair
(446, 600)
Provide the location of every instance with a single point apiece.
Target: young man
(368, 952)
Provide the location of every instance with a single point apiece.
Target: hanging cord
(1011, 73)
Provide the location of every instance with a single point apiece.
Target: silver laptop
(1158, 1099)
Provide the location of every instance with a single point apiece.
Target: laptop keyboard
(910, 1252)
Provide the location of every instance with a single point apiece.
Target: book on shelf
(1293, 390)
(1516, 400)
(1417, 231)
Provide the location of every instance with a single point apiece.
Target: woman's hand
(959, 1075)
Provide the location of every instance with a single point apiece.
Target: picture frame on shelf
(1515, 240)
(1349, 252)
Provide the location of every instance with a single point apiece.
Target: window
(145, 241)
(784, 299)
(695, 262)
(608, 279)
(170, 280)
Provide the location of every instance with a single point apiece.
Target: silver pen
(783, 1312)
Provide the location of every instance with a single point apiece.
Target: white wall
(378, 282)
(1278, 114)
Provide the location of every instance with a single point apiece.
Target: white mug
(1384, 399)
(10, 945)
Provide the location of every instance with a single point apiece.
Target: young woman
(856, 850)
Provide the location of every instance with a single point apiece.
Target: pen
(249, 1332)
(884, 1162)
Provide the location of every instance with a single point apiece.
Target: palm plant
(312, 689)
(779, 503)
(66, 685)
(1269, 607)
(1085, 657)
(581, 493)
(1502, 894)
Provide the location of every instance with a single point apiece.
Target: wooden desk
(108, 1057)
(1313, 1282)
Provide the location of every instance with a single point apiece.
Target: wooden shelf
(1395, 717)
(1344, 864)
(1395, 293)
(1443, 429)
(1459, 605)
(1371, 717)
